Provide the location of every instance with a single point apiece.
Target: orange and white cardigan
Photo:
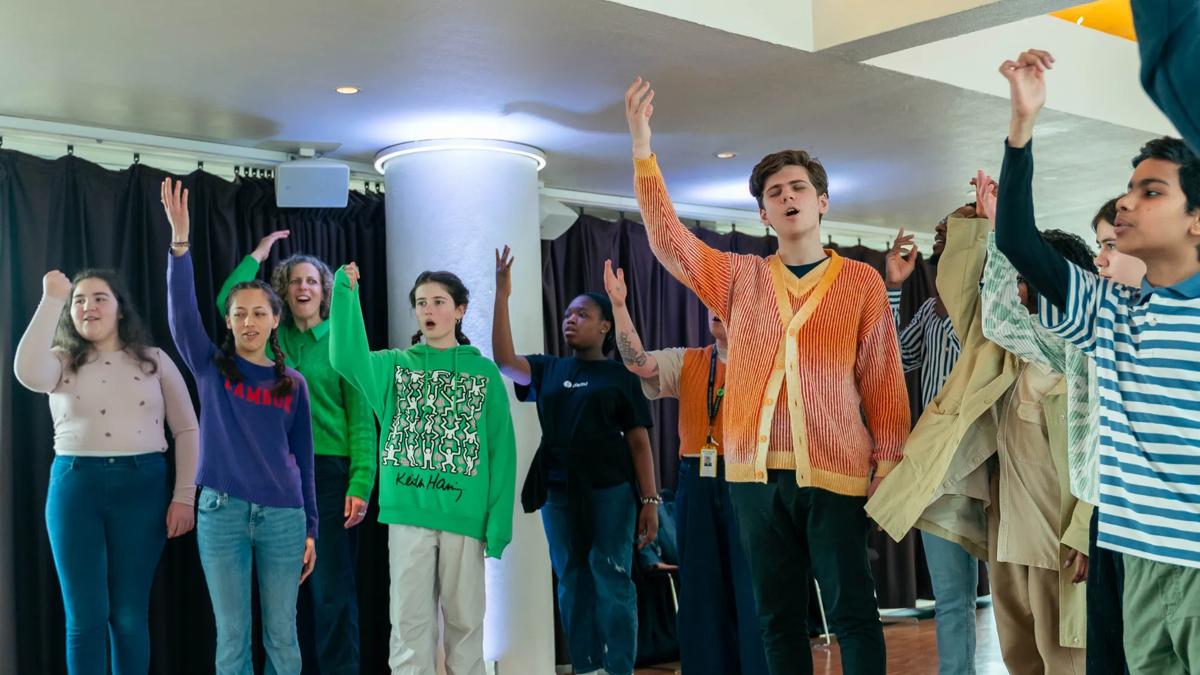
(814, 383)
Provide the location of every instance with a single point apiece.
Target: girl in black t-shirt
(594, 450)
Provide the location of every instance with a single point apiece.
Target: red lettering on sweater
(259, 396)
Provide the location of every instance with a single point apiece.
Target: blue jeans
(955, 577)
(234, 537)
(596, 596)
(719, 632)
(328, 617)
(106, 517)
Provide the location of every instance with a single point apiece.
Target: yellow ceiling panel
(1107, 16)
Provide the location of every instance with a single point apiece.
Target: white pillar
(450, 204)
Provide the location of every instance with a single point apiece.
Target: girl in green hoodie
(447, 467)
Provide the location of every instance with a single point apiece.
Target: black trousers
(790, 533)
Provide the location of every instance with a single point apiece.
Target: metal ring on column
(477, 144)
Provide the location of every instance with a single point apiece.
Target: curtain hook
(70, 150)
(137, 158)
(200, 165)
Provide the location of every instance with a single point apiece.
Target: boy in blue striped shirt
(1142, 341)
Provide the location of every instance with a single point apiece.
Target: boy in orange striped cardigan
(816, 409)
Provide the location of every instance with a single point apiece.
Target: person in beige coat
(965, 467)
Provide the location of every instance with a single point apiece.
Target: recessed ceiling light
(347, 90)
(725, 154)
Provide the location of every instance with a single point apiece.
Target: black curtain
(70, 214)
(667, 314)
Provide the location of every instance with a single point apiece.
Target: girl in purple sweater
(257, 505)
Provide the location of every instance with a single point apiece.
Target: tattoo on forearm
(631, 355)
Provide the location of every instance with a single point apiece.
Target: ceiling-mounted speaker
(312, 183)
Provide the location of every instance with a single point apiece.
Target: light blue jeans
(235, 537)
(955, 577)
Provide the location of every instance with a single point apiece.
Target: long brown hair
(131, 331)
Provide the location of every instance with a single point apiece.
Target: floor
(911, 647)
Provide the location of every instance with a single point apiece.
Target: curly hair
(282, 274)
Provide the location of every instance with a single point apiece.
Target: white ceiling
(549, 73)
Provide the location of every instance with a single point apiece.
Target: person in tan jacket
(950, 485)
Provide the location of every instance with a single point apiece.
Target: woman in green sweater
(447, 467)
(344, 446)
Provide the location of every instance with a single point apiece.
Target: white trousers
(429, 567)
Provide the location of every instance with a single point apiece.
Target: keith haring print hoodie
(447, 453)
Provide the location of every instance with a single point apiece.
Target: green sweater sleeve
(363, 443)
(247, 270)
(349, 353)
(502, 463)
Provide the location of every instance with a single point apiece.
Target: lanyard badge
(708, 451)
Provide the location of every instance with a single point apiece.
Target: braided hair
(458, 293)
(225, 356)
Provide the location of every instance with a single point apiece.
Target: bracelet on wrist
(653, 499)
(180, 244)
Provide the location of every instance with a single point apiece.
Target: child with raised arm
(447, 467)
(344, 446)
(1141, 340)
(109, 507)
(257, 506)
(816, 407)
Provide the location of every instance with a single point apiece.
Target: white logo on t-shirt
(567, 384)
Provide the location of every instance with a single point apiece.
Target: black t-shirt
(801, 270)
(585, 406)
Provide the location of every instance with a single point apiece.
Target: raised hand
(901, 260)
(614, 284)
(352, 274)
(1027, 89)
(263, 249)
(504, 263)
(639, 107)
(985, 195)
(175, 202)
(56, 285)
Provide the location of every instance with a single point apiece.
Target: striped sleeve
(704, 270)
(881, 383)
(1007, 323)
(912, 344)
(1076, 323)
